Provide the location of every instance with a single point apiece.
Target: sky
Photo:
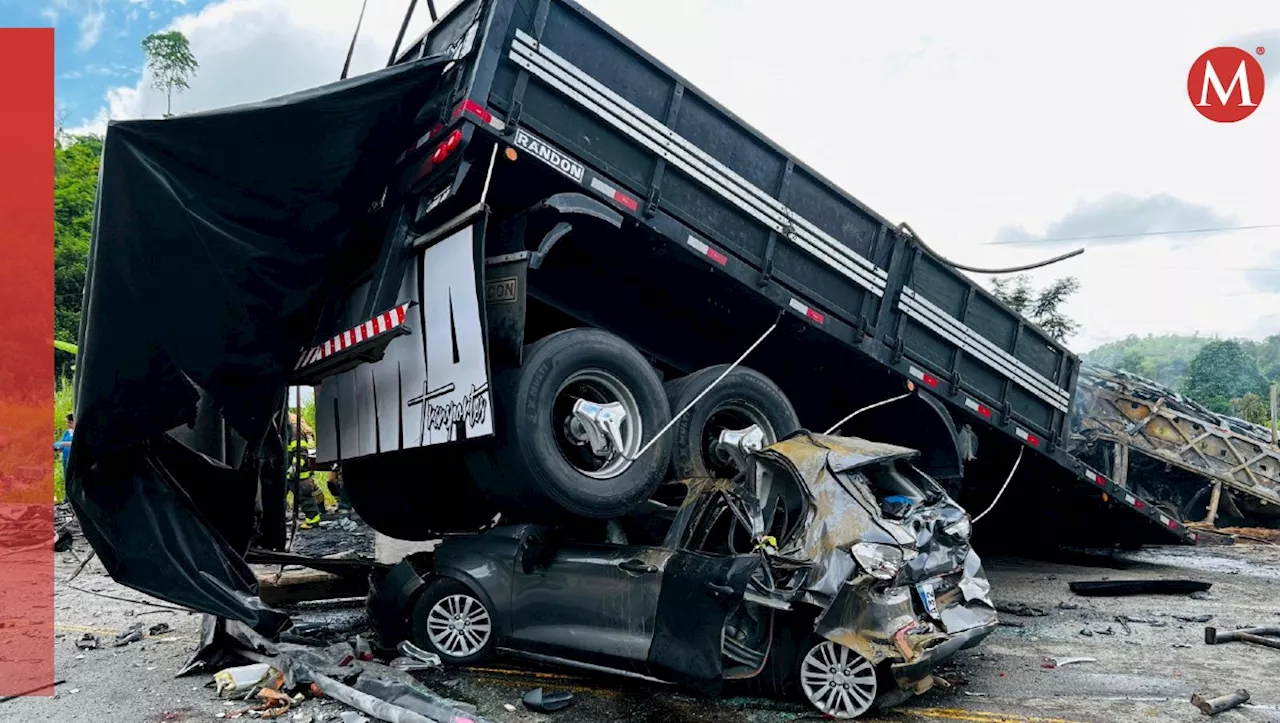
(994, 128)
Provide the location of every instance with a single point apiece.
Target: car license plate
(928, 598)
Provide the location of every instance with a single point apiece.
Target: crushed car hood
(814, 563)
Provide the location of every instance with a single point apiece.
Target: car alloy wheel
(837, 681)
(459, 626)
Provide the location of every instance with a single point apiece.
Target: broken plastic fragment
(540, 701)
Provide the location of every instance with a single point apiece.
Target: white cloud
(961, 121)
(91, 26)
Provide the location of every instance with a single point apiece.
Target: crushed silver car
(831, 568)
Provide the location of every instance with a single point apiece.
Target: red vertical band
(26, 363)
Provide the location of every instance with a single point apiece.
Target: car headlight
(959, 530)
(881, 561)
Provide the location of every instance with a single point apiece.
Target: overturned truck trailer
(530, 270)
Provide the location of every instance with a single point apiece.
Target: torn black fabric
(216, 238)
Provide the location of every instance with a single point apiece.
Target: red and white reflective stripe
(473, 108)
(379, 324)
(1027, 437)
(803, 308)
(615, 194)
(1134, 501)
(978, 407)
(705, 249)
(1168, 522)
(925, 377)
(1095, 478)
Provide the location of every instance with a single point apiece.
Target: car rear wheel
(743, 398)
(836, 680)
(574, 417)
(453, 622)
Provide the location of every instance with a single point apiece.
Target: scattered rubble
(1021, 610)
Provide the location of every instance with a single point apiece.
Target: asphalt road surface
(1147, 662)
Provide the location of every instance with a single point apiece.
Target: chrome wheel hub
(459, 626)
(838, 681)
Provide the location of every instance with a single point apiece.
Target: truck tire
(418, 497)
(743, 398)
(542, 465)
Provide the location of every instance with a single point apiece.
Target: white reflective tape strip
(1057, 401)
(1022, 433)
(368, 329)
(603, 187)
(328, 347)
(1130, 499)
(985, 349)
(599, 99)
(698, 246)
(643, 122)
(918, 374)
(381, 323)
(1164, 520)
(795, 304)
(357, 334)
(972, 404)
(346, 339)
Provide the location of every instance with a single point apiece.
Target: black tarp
(217, 236)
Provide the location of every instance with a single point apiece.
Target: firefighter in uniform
(300, 454)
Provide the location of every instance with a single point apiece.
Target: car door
(703, 583)
(587, 601)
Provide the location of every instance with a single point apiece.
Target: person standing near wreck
(64, 444)
(301, 466)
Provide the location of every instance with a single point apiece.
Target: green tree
(1221, 372)
(75, 188)
(1251, 408)
(1042, 307)
(171, 63)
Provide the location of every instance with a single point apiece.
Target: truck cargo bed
(556, 83)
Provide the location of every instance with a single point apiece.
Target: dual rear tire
(545, 464)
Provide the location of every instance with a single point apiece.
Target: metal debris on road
(159, 629)
(1116, 588)
(1265, 636)
(88, 641)
(1194, 618)
(1072, 661)
(1214, 706)
(1068, 606)
(132, 634)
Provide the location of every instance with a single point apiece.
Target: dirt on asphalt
(1148, 655)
